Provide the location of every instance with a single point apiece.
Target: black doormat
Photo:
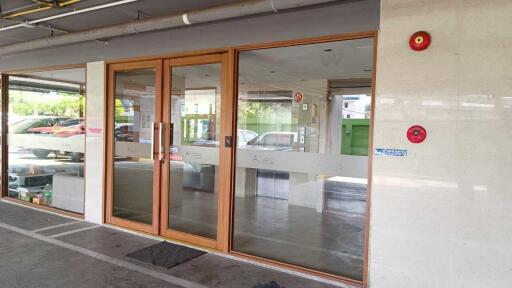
(165, 254)
(271, 284)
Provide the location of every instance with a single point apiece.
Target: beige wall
(442, 217)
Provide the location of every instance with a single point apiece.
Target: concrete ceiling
(351, 59)
(75, 75)
(328, 61)
(95, 19)
(267, 68)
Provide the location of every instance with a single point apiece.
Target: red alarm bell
(419, 41)
(416, 134)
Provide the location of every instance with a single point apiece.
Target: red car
(69, 130)
(60, 124)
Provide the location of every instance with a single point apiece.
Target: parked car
(243, 136)
(63, 122)
(124, 132)
(51, 126)
(35, 125)
(69, 130)
(281, 141)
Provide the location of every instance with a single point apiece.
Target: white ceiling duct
(243, 8)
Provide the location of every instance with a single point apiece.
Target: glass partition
(134, 118)
(46, 138)
(302, 155)
(194, 167)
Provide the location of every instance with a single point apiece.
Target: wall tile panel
(440, 216)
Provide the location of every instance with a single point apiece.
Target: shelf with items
(34, 187)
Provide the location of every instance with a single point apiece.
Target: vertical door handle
(172, 134)
(153, 124)
(161, 130)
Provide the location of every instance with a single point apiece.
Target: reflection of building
(46, 142)
(356, 106)
(198, 115)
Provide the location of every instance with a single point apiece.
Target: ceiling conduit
(245, 8)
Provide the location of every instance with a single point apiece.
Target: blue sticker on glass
(391, 152)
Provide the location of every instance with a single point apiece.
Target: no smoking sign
(297, 97)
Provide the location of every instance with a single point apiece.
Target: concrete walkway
(40, 249)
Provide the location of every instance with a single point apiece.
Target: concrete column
(95, 142)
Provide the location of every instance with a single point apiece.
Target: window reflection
(195, 118)
(301, 178)
(46, 135)
(134, 109)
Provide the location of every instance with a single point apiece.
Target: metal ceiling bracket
(273, 6)
(185, 19)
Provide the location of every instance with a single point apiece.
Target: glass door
(192, 185)
(134, 156)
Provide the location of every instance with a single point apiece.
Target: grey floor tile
(29, 219)
(217, 271)
(67, 228)
(109, 241)
(29, 263)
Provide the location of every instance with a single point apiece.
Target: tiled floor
(86, 255)
(285, 230)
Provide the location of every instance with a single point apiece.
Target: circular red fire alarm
(416, 134)
(419, 41)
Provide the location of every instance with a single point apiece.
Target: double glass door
(167, 149)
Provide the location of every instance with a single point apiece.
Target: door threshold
(159, 238)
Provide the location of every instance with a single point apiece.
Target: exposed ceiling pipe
(67, 14)
(245, 8)
(53, 29)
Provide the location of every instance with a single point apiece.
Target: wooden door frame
(4, 143)
(110, 141)
(224, 152)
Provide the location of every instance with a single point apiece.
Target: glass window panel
(195, 118)
(134, 110)
(46, 137)
(301, 183)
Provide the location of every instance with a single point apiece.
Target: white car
(282, 141)
(243, 136)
